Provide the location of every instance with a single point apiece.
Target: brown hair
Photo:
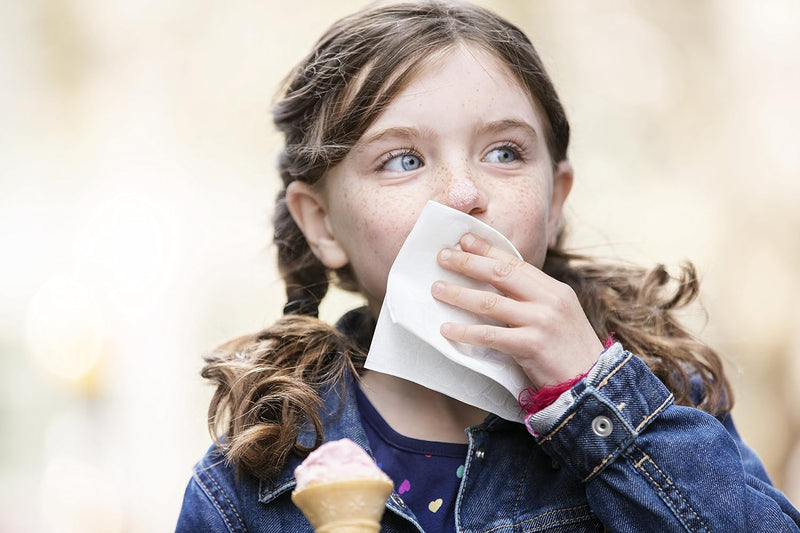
(269, 384)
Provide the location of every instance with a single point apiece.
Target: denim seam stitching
(661, 489)
(273, 492)
(463, 484)
(639, 466)
(228, 501)
(548, 524)
(600, 466)
(557, 429)
(519, 490)
(604, 381)
(655, 413)
(571, 520)
(672, 484)
(600, 385)
(621, 446)
(214, 501)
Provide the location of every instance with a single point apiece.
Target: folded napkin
(407, 342)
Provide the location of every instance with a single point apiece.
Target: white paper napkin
(407, 342)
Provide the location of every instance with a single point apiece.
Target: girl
(398, 105)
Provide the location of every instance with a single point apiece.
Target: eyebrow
(499, 126)
(404, 132)
(397, 132)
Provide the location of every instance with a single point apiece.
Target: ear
(309, 211)
(562, 185)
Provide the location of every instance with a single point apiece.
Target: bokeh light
(65, 329)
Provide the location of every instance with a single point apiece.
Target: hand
(548, 333)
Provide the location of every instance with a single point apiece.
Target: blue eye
(403, 163)
(501, 155)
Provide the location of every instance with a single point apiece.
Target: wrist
(532, 400)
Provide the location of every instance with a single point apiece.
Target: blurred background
(136, 180)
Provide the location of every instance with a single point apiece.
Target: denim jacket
(620, 457)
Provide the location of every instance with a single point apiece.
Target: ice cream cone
(347, 506)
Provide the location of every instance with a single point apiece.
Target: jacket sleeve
(646, 461)
(206, 506)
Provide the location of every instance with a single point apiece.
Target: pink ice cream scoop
(340, 489)
(336, 461)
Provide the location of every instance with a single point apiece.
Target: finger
(485, 303)
(516, 342)
(502, 339)
(511, 275)
(470, 242)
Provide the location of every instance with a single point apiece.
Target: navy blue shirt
(426, 474)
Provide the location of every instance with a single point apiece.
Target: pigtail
(268, 390)
(305, 277)
(639, 307)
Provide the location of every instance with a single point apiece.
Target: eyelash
(410, 150)
(519, 151)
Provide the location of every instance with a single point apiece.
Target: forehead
(465, 78)
(466, 58)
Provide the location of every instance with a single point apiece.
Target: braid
(305, 277)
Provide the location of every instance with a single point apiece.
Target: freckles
(381, 216)
(523, 219)
(524, 200)
(443, 174)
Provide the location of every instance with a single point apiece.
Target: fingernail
(438, 287)
(468, 240)
(445, 254)
(445, 329)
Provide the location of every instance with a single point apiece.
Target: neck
(417, 412)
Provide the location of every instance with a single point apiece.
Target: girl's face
(463, 133)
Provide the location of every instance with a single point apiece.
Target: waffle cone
(351, 506)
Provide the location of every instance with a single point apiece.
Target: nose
(462, 194)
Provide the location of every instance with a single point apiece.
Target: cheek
(384, 217)
(380, 226)
(523, 219)
(384, 233)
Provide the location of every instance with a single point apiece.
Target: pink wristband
(534, 400)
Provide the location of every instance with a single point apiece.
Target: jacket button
(398, 501)
(480, 454)
(602, 426)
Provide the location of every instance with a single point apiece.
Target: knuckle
(489, 302)
(548, 321)
(564, 297)
(503, 269)
(464, 261)
(452, 292)
(487, 335)
(535, 340)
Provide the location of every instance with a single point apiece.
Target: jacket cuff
(589, 426)
(540, 422)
